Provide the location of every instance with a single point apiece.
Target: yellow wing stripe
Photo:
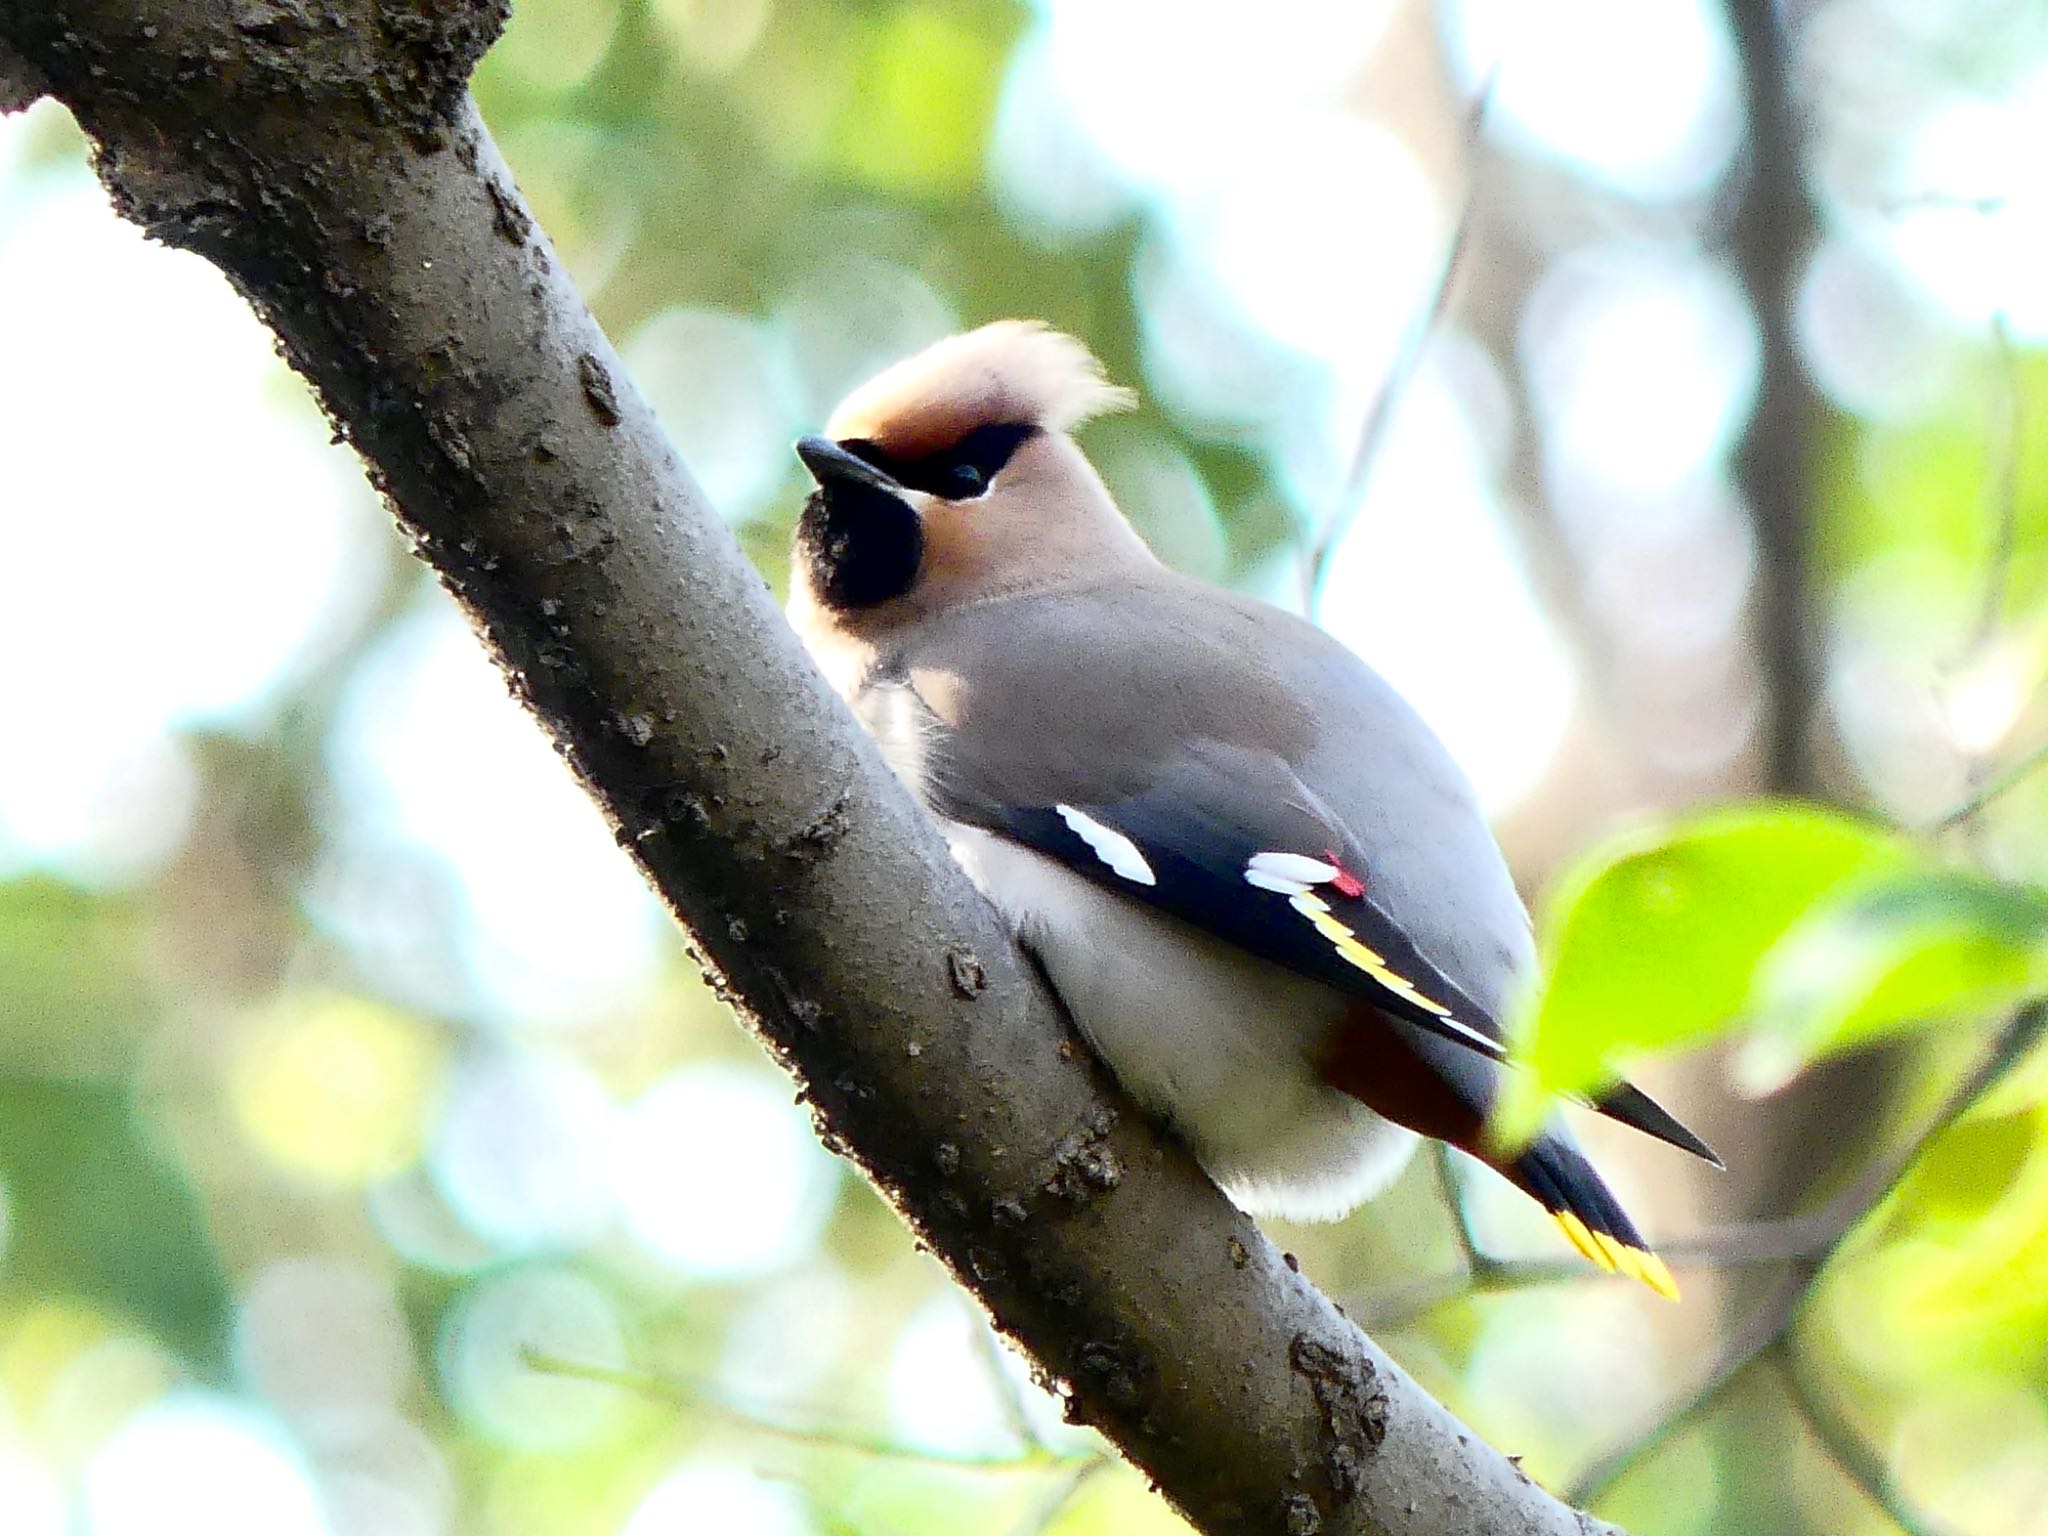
(1347, 944)
(1616, 1257)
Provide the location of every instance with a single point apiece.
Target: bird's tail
(1558, 1175)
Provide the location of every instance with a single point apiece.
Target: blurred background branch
(1771, 237)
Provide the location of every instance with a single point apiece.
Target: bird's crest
(1012, 372)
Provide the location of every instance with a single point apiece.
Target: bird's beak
(831, 464)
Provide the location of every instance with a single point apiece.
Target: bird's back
(1041, 698)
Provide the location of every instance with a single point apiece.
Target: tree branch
(324, 154)
(20, 85)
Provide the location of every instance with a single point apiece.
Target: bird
(1255, 878)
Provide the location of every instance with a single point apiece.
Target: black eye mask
(958, 473)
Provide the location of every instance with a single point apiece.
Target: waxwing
(1261, 886)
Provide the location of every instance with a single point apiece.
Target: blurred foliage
(1655, 946)
(1815, 932)
(320, 1125)
(1896, 955)
(1924, 499)
(76, 991)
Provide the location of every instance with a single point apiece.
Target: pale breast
(1216, 1043)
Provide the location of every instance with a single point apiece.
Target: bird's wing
(1230, 840)
(1223, 773)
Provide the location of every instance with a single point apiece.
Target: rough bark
(324, 154)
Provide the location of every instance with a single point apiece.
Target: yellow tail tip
(1616, 1257)
(1651, 1270)
(1582, 1238)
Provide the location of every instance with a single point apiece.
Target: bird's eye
(966, 480)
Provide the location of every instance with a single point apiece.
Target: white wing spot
(1288, 873)
(1267, 882)
(1110, 846)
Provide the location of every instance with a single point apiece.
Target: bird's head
(950, 476)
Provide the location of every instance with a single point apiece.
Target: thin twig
(1809, 1240)
(1009, 1394)
(2005, 434)
(1845, 1213)
(1040, 1520)
(1771, 1322)
(1410, 1303)
(1476, 1257)
(1845, 1445)
(2010, 779)
(2022, 1032)
(1752, 1244)
(859, 1443)
(1742, 1347)
(1380, 415)
(1918, 202)
(2006, 483)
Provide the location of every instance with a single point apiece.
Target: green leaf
(1889, 954)
(98, 1213)
(1653, 942)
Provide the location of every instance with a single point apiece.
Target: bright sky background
(229, 545)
